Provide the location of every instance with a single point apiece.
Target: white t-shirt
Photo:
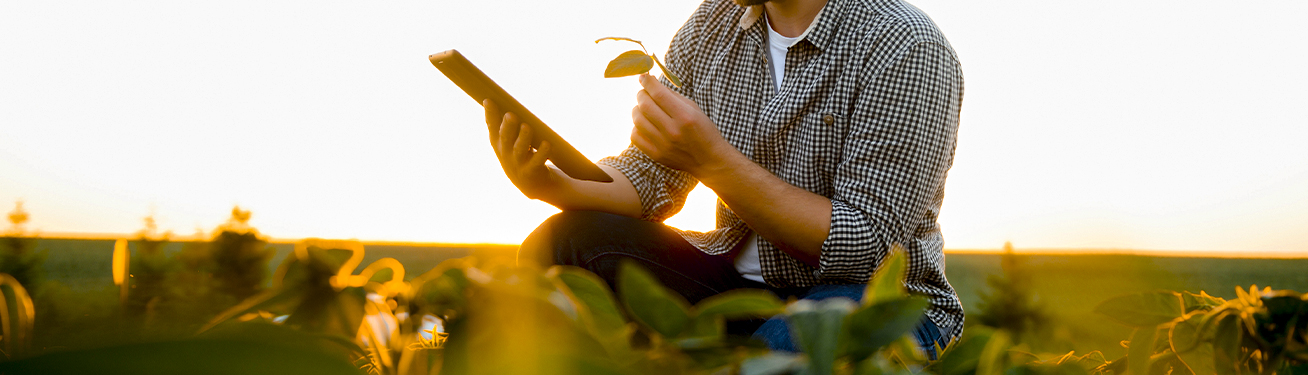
(747, 260)
(777, 45)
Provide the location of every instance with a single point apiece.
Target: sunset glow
(1098, 125)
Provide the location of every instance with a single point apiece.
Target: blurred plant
(988, 351)
(18, 255)
(474, 316)
(635, 62)
(16, 316)
(237, 257)
(502, 318)
(1259, 332)
(149, 273)
(839, 336)
(1011, 305)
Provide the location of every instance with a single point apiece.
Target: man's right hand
(511, 138)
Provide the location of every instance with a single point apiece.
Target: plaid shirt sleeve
(896, 154)
(662, 190)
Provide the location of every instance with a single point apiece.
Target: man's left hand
(673, 131)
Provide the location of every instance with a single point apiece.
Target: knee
(553, 241)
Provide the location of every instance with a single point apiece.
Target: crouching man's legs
(598, 242)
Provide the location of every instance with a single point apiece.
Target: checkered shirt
(867, 115)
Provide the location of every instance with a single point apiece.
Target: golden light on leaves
(17, 327)
(120, 262)
(629, 63)
(635, 62)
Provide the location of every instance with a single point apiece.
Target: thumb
(662, 95)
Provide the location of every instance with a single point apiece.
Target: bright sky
(1162, 125)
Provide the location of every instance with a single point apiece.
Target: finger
(494, 115)
(542, 153)
(641, 124)
(643, 144)
(667, 99)
(494, 118)
(652, 112)
(508, 135)
(522, 147)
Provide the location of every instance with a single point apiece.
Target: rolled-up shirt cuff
(851, 250)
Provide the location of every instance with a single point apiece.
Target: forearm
(795, 220)
(617, 197)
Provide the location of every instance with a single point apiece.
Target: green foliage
(839, 336)
(818, 327)
(1012, 305)
(151, 270)
(1147, 309)
(237, 256)
(1261, 331)
(873, 327)
(18, 255)
(650, 303)
(887, 283)
(324, 315)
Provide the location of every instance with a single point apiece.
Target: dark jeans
(599, 241)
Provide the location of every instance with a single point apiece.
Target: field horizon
(1199, 253)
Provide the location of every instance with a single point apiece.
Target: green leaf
(649, 302)
(818, 326)
(708, 320)
(705, 327)
(887, 283)
(1201, 301)
(667, 73)
(992, 361)
(334, 313)
(961, 358)
(629, 63)
(1140, 310)
(873, 327)
(1142, 348)
(774, 363)
(1187, 342)
(741, 303)
(1226, 346)
(1091, 360)
(594, 294)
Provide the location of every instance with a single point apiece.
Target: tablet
(480, 87)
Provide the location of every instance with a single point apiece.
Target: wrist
(548, 186)
(723, 166)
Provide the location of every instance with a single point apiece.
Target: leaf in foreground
(652, 304)
(1138, 354)
(667, 73)
(887, 283)
(629, 63)
(1148, 309)
(595, 295)
(741, 303)
(875, 326)
(817, 327)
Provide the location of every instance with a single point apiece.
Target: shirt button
(828, 119)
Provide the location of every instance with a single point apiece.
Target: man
(826, 128)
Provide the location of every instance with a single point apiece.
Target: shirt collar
(817, 32)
